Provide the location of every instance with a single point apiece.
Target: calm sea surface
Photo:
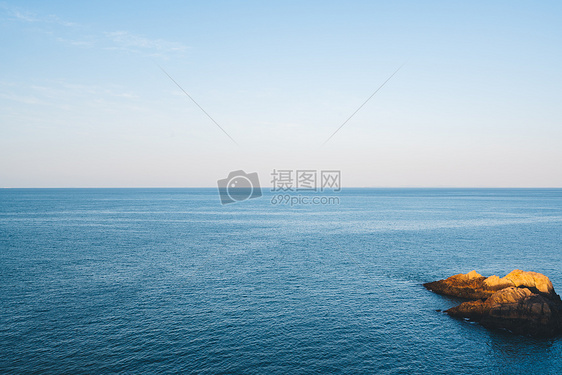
(169, 281)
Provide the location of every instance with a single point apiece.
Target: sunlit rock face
(531, 280)
(496, 283)
(521, 302)
(469, 285)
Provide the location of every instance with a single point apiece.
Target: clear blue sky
(83, 102)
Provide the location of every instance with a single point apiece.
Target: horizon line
(269, 187)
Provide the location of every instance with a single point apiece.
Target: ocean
(158, 281)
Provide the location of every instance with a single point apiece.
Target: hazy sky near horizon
(83, 102)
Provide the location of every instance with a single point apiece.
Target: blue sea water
(169, 281)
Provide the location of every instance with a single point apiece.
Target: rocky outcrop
(470, 286)
(521, 302)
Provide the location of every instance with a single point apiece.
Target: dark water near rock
(169, 281)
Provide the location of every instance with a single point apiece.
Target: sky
(85, 100)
